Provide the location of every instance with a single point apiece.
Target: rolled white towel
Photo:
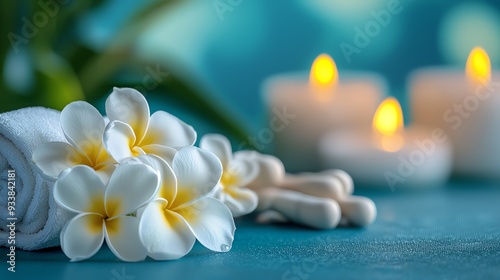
(39, 218)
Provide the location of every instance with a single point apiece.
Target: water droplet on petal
(225, 248)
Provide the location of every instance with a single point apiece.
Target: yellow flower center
(228, 179)
(136, 151)
(94, 223)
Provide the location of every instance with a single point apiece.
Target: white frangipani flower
(237, 173)
(132, 132)
(184, 210)
(104, 211)
(83, 127)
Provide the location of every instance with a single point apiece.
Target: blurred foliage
(64, 70)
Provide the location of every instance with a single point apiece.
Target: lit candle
(303, 106)
(389, 155)
(467, 108)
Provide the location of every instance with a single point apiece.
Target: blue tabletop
(446, 233)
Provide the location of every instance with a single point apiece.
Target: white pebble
(271, 216)
(271, 169)
(344, 177)
(359, 211)
(316, 185)
(315, 212)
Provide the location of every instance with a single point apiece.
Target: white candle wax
(351, 103)
(423, 160)
(468, 113)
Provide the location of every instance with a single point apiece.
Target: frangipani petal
(164, 233)
(83, 127)
(119, 139)
(130, 187)
(248, 155)
(198, 172)
(244, 170)
(168, 181)
(218, 145)
(82, 236)
(166, 153)
(122, 237)
(129, 106)
(53, 157)
(104, 156)
(211, 222)
(105, 170)
(218, 192)
(240, 201)
(80, 190)
(167, 130)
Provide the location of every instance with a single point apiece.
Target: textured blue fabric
(448, 233)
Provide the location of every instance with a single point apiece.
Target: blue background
(228, 53)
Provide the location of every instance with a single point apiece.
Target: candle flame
(324, 74)
(478, 66)
(388, 123)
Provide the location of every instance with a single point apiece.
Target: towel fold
(39, 218)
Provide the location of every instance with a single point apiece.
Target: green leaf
(57, 84)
